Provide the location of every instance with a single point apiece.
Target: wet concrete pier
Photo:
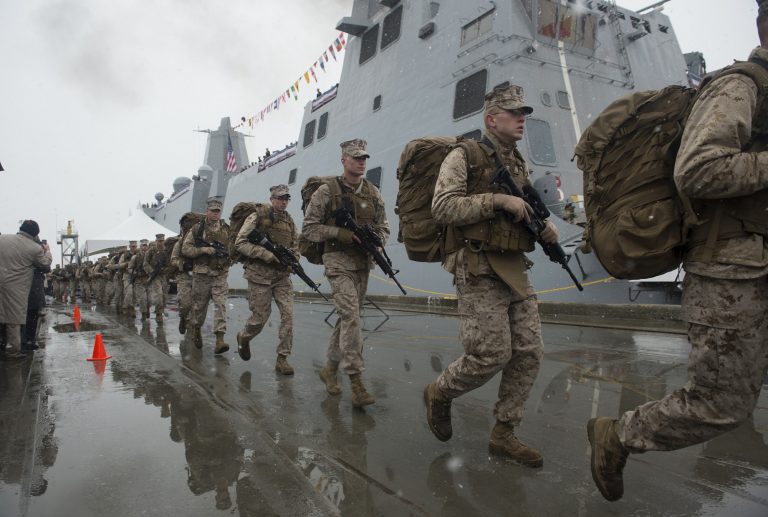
(165, 429)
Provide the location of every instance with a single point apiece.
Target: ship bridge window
(374, 176)
(477, 27)
(292, 177)
(562, 100)
(540, 144)
(322, 128)
(368, 44)
(377, 103)
(309, 133)
(470, 94)
(570, 24)
(390, 30)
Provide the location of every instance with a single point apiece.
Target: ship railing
(177, 195)
(325, 98)
(279, 156)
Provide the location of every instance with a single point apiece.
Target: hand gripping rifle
(159, 266)
(285, 257)
(537, 224)
(221, 249)
(369, 241)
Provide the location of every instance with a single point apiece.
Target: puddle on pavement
(84, 326)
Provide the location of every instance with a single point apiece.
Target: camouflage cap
(144, 242)
(355, 148)
(160, 236)
(132, 243)
(279, 191)
(507, 98)
(214, 203)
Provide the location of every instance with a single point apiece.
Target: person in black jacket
(35, 308)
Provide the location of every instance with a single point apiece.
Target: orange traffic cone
(99, 354)
(76, 315)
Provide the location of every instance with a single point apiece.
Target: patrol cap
(160, 236)
(214, 204)
(507, 98)
(279, 192)
(132, 243)
(355, 148)
(144, 242)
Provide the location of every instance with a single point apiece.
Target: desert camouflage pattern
(207, 287)
(183, 282)
(260, 296)
(346, 346)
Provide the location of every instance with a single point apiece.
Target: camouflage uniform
(140, 276)
(128, 299)
(71, 275)
(183, 281)
(157, 259)
(723, 161)
(117, 266)
(267, 278)
(209, 274)
(56, 277)
(346, 267)
(98, 275)
(84, 277)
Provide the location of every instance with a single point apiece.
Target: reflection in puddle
(84, 326)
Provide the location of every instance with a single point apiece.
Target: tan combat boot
(360, 396)
(329, 376)
(608, 457)
(243, 347)
(438, 413)
(282, 367)
(221, 346)
(504, 443)
(197, 336)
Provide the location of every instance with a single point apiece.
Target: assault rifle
(369, 241)
(537, 224)
(285, 257)
(159, 266)
(221, 249)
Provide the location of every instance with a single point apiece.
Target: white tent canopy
(135, 227)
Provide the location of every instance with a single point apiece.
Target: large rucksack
(637, 221)
(239, 214)
(313, 251)
(417, 173)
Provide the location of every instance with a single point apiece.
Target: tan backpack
(637, 221)
(313, 251)
(239, 214)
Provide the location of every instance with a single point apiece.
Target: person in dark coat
(35, 307)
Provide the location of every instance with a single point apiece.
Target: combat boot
(329, 376)
(438, 413)
(197, 336)
(221, 346)
(182, 325)
(504, 443)
(159, 316)
(282, 367)
(243, 347)
(608, 457)
(360, 396)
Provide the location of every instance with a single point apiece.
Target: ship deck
(162, 428)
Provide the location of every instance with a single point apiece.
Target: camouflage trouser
(73, 290)
(140, 294)
(184, 294)
(129, 299)
(157, 293)
(109, 291)
(500, 331)
(260, 302)
(728, 333)
(346, 346)
(204, 289)
(85, 290)
(56, 289)
(119, 291)
(99, 286)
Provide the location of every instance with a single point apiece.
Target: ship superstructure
(416, 68)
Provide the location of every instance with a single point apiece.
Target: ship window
(322, 128)
(477, 27)
(374, 176)
(368, 44)
(309, 133)
(664, 29)
(540, 144)
(390, 31)
(377, 103)
(473, 135)
(562, 100)
(570, 24)
(470, 94)
(292, 177)
(546, 99)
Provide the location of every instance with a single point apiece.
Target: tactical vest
(203, 231)
(363, 206)
(138, 266)
(499, 233)
(278, 226)
(739, 216)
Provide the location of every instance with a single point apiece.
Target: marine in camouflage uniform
(499, 326)
(722, 166)
(267, 278)
(57, 278)
(128, 300)
(140, 276)
(183, 267)
(346, 265)
(98, 279)
(84, 277)
(70, 273)
(155, 263)
(117, 268)
(209, 274)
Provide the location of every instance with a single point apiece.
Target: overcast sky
(99, 98)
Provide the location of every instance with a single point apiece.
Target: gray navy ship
(416, 68)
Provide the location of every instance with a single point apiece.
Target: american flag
(231, 165)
